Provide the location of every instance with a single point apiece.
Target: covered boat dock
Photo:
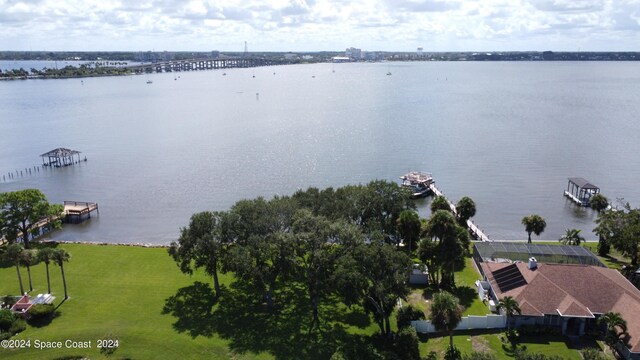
(580, 191)
(60, 157)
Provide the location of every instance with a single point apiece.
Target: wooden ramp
(473, 228)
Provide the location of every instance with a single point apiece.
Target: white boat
(149, 82)
(418, 182)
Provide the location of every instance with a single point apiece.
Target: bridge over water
(204, 64)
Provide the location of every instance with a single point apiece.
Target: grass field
(121, 291)
(156, 312)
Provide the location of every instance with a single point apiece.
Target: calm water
(506, 134)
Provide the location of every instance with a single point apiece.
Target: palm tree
(28, 258)
(46, 255)
(510, 307)
(571, 237)
(443, 226)
(466, 209)
(60, 256)
(613, 321)
(12, 254)
(533, 224)
(440, 203)
(446, 313)
(409, 227)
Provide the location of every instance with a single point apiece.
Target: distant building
(353, 53)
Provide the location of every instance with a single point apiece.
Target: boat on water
(419, 183)
(388, 72)
(149, 82)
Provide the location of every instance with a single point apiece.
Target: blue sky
(315, 25)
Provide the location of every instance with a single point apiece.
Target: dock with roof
(580, 191)
(61, 157)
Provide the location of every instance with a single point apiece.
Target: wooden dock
(75, 210)
(473, 228)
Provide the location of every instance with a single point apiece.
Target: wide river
(507, 134)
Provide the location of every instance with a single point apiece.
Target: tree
(440, 203)
(533, 224)
(510, 307)
(200, 245)
(28, 258)
(46, 255)
(598, 202)
(374, 274)
(12, 254)
(449, 248)
(446, 313)
(621, 229)
(409, 227)
(316, 254)
(261, 250)
(571, 237)
(613, 321)
(21, 210)
(60, 256)
(466, 209)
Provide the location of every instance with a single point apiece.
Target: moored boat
(419, 182)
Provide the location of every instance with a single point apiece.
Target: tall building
(353, 53)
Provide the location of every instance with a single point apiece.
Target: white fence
(467, 323)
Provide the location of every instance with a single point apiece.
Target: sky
(320, 25)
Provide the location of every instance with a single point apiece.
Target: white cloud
(300, 25)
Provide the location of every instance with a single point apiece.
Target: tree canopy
(466, 209)
(621, 229)
(317, 246)
(200, 245)
(446, 313)
(21, 210)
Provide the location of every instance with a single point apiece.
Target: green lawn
(465, 291)
(116, 290)
(139, 295)
(487, 341)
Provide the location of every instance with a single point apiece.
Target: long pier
(203, 64)
(473, 228)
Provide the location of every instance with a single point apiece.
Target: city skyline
(320, 25)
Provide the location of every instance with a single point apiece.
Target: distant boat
(149, 82)
(388, 72)
(224, 74)
(313, 76)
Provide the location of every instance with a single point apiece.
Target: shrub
(8, 300)
(593, 354)
(407, 314)
(18, 326)
(41, 311)
(6, 319)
